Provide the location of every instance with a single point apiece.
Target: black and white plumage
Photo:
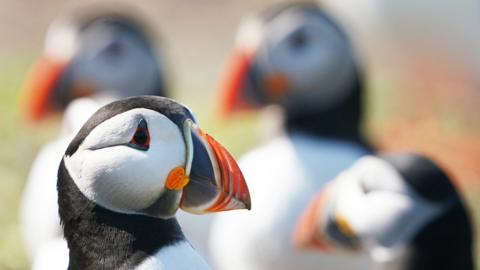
(91, 57)
(296, 57)
(400, 208)
(119, 187)
(98, 52)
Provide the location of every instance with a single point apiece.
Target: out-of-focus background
(421, 58)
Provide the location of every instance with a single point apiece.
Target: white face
(105, 57)
(122, 175)
(310, 52)
(380, 208)
(115, 60)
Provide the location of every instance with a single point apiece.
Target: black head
(132, 165)
(146, 155)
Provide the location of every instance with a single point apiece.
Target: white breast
(197, 230)
(178, 257)
(52, 255)
(39, 220)
(282, 177)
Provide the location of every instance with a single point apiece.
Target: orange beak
(36, 99)
(216, 183)
(309, 232)
(232, 97)
(242, 90)
(235, 194)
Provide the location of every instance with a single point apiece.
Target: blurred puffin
(401, 208)
(91, 57)
(126, 173)
(98, 53)
(297, 57)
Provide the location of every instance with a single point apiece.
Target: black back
(446, 243)
(423, 175)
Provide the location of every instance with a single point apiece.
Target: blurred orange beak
(237, 82)
(232, 98)
(310, 230)
(36, 98)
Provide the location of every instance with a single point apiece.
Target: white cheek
(378, 174)
(321, 72)
(118, 130)
(125, 179)
(383, 219)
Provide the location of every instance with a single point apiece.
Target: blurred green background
(423, 91)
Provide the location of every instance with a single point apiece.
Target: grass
(17, 148)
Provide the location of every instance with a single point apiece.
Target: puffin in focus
(125, 174)
(400, 208)
(296, 57)
(91, 57)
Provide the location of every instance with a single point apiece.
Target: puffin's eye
(113, 50)
(141, 138)
(299, 40)
(365, 188)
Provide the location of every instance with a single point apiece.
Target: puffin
(297, 58)
(97, 51)
(91, 57)
(401, 208)
(125, 174)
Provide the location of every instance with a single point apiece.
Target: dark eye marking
(114, 49)
(299, 40)
(365, 188)
(141, 138)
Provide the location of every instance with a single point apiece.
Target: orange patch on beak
(276, 84)
(177, 179)
(42, 79)
(308, 233)
(344, 226)
(82, 89)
